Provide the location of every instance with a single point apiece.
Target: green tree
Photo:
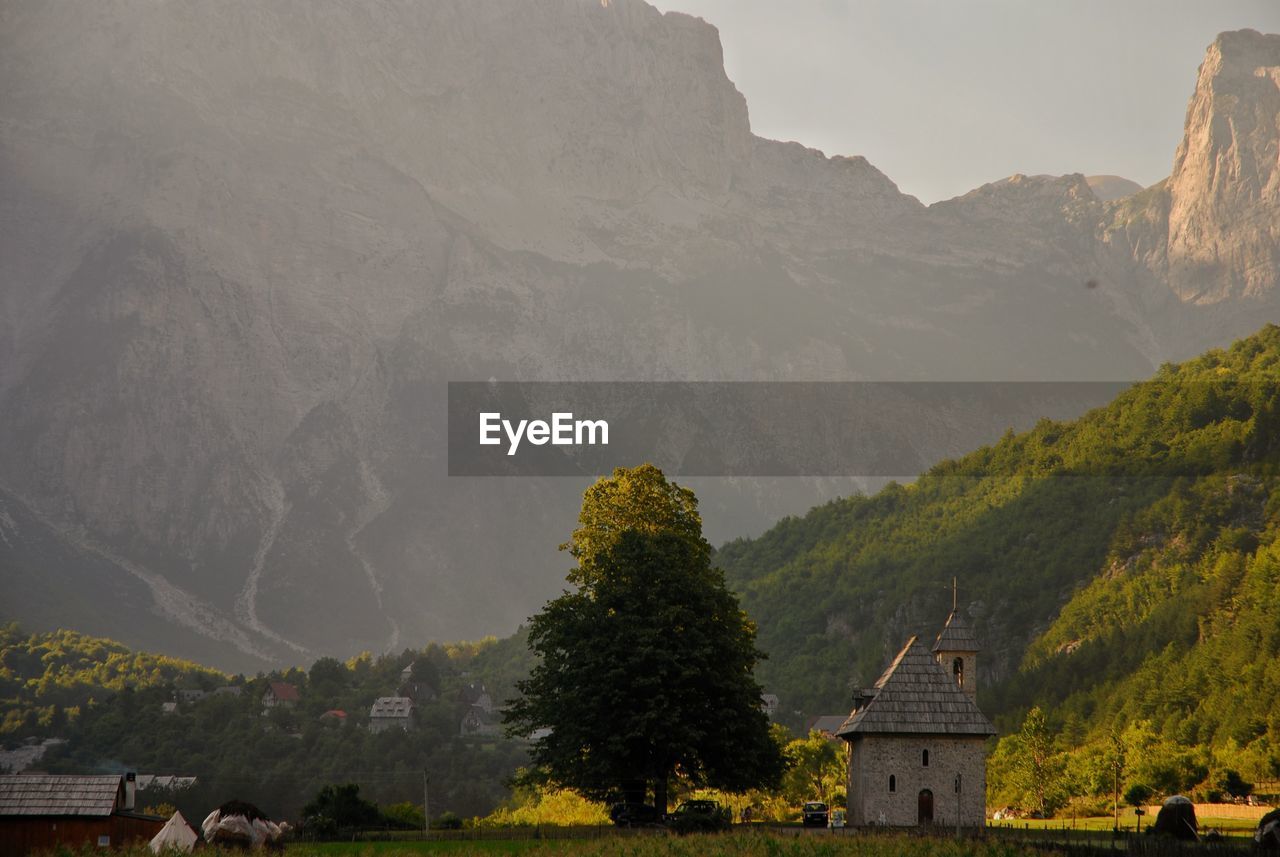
(1235, 785)
(635, 500)
(341, 807)
(1037, 770)
(1138, 794)
(646, 670)
(816, 770)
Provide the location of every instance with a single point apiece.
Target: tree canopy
(646, 669)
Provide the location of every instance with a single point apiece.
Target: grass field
(730, 845)
(1025, 842)
(1128, 822)
(737, 844)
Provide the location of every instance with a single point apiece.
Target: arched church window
(957, 668)
(924, 758)
(893, 783)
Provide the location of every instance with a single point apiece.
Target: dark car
(814, 814)
(699, 816)
(633, 814)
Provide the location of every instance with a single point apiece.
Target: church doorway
(925, 808)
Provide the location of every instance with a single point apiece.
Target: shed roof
(56, 794)
(916, 696)
(956, 636)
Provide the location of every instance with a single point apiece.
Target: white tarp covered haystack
(176, 835)
(242, 824)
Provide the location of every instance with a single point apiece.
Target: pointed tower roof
(916, 696)
(957, 635)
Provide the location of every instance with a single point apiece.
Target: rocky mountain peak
(1224, 191)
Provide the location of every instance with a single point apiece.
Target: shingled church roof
(916, 696)
(956, 636)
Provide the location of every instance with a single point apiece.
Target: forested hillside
(109, 705)
(1123, 570)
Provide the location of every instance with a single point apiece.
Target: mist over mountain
(244, 246)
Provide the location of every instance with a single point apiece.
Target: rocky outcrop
(1224, 192)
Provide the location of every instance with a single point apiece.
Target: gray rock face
(1224, 209)
(244, 245)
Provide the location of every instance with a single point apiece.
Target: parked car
(699, 816)
(633, 814)
(814, 814)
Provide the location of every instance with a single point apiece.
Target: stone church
(917, 740)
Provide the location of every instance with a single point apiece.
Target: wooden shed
(42, 811)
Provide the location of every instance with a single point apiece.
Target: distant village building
(416, 690)
(917, 739)
(40, 812)
(228, 690)
(769, 704)
(480, 722)
(168, 708)
(391, 712)
(164, 782)
(186, 696)
(280, 693)
(476, 696)
(334, 715)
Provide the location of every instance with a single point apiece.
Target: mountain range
(246, 245)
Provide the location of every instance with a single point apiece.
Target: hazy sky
(945, 95)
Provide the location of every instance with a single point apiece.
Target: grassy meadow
(724, 845)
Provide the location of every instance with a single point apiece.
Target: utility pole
(1118, 760)
(426, 808)
(1115, 800)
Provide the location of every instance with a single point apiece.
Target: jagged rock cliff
(1224, 193)
(244, 246)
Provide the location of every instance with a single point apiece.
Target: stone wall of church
(876, 758)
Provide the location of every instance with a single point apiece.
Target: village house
(769, 705)
(40, 812)
(164, 782)
(477, 696)
(334, 715)
(391, 712)
(416, 690)
(280, 693)
(479, 722)
(917, 740)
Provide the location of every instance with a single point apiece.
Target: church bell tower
(956, 648)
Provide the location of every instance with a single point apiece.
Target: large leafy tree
(817, 770)
(646, 669)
